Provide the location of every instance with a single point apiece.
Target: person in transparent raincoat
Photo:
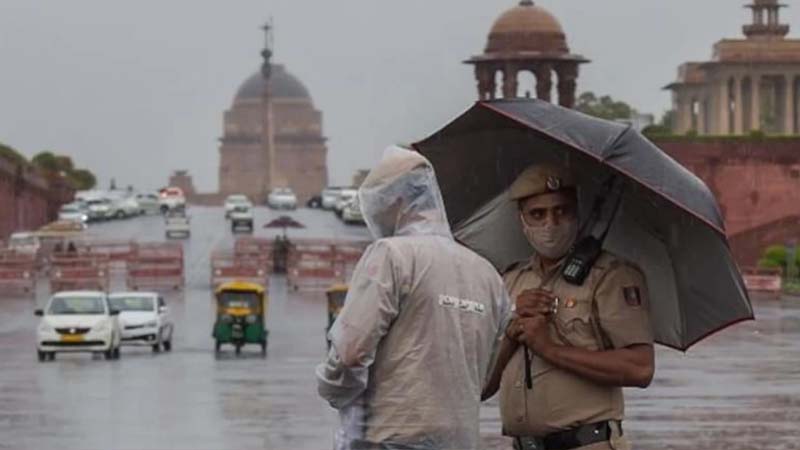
(415, 340)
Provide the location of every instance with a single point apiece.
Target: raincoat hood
(400, 197)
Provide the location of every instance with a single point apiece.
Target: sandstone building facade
(272, 138)
(751, 84)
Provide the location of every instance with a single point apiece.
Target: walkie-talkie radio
(584, 254)
(580, 261)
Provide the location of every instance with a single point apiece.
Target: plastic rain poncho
(413, 345)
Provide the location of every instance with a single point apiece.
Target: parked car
(282, 198)
(99, 209)
(144, 319)
(24, 242)
(73, 212)
(351, 213)
(148, 203)
(78, 321)
(234, 200)
(329, 196)
(242, 217)
(123, 206)
(170, 197)
(345, 197)
(176, 223)
(314, 202)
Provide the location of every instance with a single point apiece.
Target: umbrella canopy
(284, 222)
(668, 222)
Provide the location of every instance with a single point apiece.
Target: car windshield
(77, 305)
(242, 208)
(237, 199)
(231, 299)
(22, 241)
(133, 303)
(69, 209)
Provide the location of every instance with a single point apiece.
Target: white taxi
(78, 321)
(144, 319)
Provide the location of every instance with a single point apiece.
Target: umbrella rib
(604, 162)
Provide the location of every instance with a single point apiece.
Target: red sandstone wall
(756, 182)
(27, 200)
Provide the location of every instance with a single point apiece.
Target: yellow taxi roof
(240, 286)
(338, 288)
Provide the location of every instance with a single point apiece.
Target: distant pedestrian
(413, 345)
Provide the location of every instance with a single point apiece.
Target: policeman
(583, 343)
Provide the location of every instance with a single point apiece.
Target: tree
(54, 164)
(9, 154)
(82, 179)
(775, 256)
(46, 161)
(603, 107)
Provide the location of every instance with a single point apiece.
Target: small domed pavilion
(527, 38)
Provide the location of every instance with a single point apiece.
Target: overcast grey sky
(135, 89)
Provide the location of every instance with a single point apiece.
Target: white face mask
(552, 241)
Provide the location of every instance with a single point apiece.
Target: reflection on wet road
(737, 390)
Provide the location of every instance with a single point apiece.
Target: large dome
(284, 85)
(527, 28)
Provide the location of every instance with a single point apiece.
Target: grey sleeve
(371, 306)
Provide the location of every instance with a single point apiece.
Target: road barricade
(157, 265)
(315, 264)
(227, 266)
(17, 273)
(118, 253)
(78, 272)
(761, 280)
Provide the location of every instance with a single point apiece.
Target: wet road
(738, 390)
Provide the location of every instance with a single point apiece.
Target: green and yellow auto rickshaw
(241, 308)
(336, 295)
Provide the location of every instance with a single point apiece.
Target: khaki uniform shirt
(610, 310)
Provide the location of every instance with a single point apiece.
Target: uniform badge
(553, 183)
(632, 296)
(570, 303)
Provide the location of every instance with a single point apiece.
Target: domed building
(279, 144)
(527, 38)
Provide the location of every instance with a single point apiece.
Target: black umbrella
(284, 222)
(668, 221)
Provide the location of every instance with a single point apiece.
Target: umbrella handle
(528, 376)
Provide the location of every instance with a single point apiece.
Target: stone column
(685, 115)
(738, 110)
(723, 113)
(702, 104)
(510, 85)
(567, 84)
(755, 103)
(544, 81)
(788, 110)
(486, 84)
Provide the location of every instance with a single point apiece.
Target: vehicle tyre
(42, 355)
(156, 348)
(52, 356)
(238, 349)
(264, 347)
(109, 354)
(167, 345)
(119, 215)
(217, 346)
(116, 353)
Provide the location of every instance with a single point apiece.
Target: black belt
(569, 439)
